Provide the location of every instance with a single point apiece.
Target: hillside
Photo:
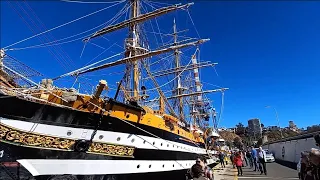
(276, 135)
(228, 136)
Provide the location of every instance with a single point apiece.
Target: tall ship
(153, 123)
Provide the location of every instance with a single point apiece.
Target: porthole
(172, 145)
(132, 140)
(138, 166)
(178, 131)
(163, 165)
(118, 139)
(127, 116)
(69, 133)
(153, 143)
(161, 144)
(172, 165)
(101, 137)
(144, 141)
(150, 166)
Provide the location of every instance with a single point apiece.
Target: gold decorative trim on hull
(34, 140)
(111, 150)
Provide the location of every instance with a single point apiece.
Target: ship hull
(145, 151)
(19, 161)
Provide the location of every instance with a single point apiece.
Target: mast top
(138, 19)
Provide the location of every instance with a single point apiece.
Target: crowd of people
(251, 157)
(254, 158)
(308, 167)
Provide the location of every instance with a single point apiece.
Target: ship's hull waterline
(42, 138)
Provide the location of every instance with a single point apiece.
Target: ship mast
(134, 38)
(177, 66)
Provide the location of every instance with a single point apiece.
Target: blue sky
(268, 52)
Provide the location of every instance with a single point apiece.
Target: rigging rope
(68, 59)
(168, 81)
(82, 37)
(106, 49)
(193, 23)
(88, 66)
(22, 17)
(64, 24)
(90, 2)
(44, 44)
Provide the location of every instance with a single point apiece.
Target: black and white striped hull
(164, 153)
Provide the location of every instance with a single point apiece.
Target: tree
(240, 125)
(313, 128)
(237, 142)
(259, 143)
(240, 129)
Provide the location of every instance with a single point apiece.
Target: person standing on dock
(232, 159)
(239, 163)
(262, 161)
(254, 158)
(221, 158)
(249, 157)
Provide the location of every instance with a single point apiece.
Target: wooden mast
(134, 34)
(177, 65)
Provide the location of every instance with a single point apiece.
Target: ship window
(118, 139)
(132, 140)
(161, 144)
(163, 165)
(167, 145)
(127, 116)
(178, 131)
(172, 165)
(153, 143)
(172, 145)
(101, 136)
(150, 166)
(138, 166)
(144, 141)
(69, 133)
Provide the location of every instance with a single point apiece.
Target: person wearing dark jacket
(232, 159)
(249, 157)
(221, 158)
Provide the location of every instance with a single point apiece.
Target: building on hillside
(254, 128)
(233, 130)
(293, 127)
(273, 128)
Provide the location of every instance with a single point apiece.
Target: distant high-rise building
(254, 128)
